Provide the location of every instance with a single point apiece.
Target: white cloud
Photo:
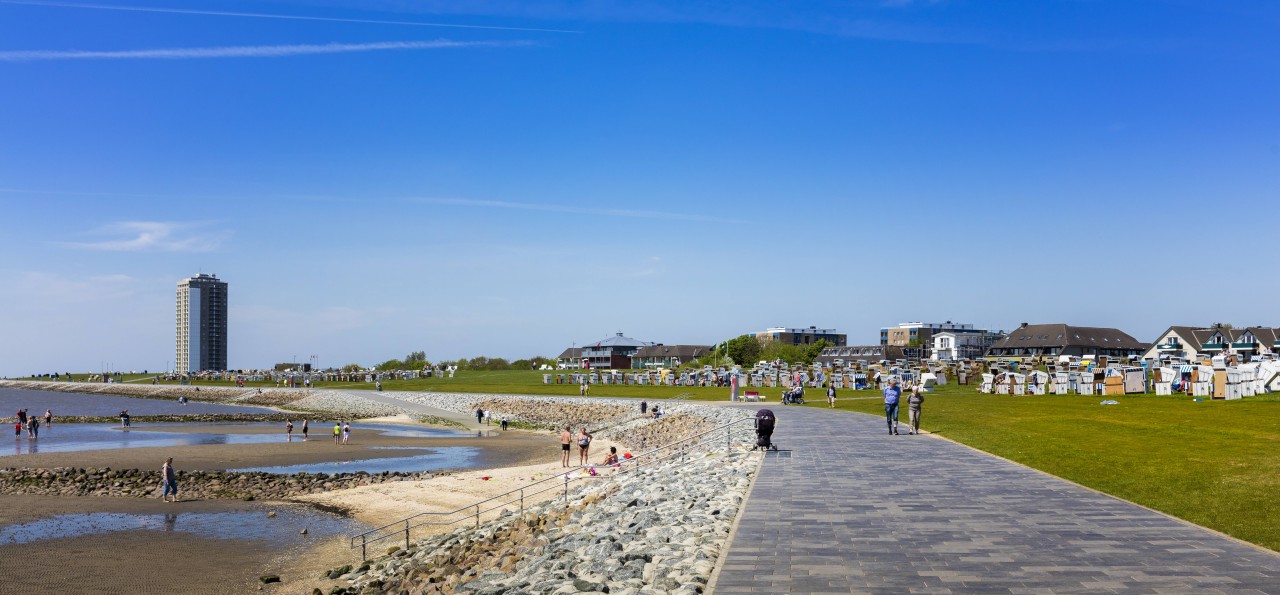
(251, 51)
(154, 236)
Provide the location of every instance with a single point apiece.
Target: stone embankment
(345, 404)
(657, 531)
(211, 394)
(329, 403)
(171, 418)
(197, 485)
(616, 419)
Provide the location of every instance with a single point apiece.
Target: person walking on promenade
(288, 428)
(170, 480)
(914, 401)
(566, 439)
(891, 396)
(304, 429)
(337, 432)
(831, 395)
(584, 446)
(346, 432)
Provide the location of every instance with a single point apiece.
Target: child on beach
(288, 428)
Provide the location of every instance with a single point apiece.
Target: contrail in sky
(249, 51)
(524, 206)
(259, 15)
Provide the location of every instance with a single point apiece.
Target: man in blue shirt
(891, 396)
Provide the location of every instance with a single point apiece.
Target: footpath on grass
(854, 509)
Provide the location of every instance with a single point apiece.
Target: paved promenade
(856, 510)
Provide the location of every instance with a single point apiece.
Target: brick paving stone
(857, 510)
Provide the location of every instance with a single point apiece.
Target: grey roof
(617, 340)
(1191, 336)
(571, 353)
(684, 352)
(1265, 335)
(1063, 335)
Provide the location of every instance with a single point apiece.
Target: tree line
(418, 361)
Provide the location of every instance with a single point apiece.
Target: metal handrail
(474, 511)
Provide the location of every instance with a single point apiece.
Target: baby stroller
(794, 396)
(764, 430)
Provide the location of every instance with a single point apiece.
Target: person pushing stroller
(764, 430)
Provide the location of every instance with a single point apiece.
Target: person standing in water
(304, 429)
(170, 480)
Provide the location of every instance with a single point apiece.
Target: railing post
(406, 534)
(364, 555)
(566, 489)
(521, 500)
(477, 515)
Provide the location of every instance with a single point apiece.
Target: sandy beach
(132, 561)
(384, 503)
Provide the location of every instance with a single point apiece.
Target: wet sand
(177, 562)
(152, 561)
(500, 449)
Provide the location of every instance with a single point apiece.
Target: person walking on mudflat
(914, 401)
(346, 432)
(304, 429)
(891, 396)
(170, 480)
(479, 416)
(288, 428)
(566, 439)
(337, 431)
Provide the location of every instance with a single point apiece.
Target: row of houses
(621, 352)
(952, 342)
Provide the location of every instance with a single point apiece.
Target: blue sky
(509, 178)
